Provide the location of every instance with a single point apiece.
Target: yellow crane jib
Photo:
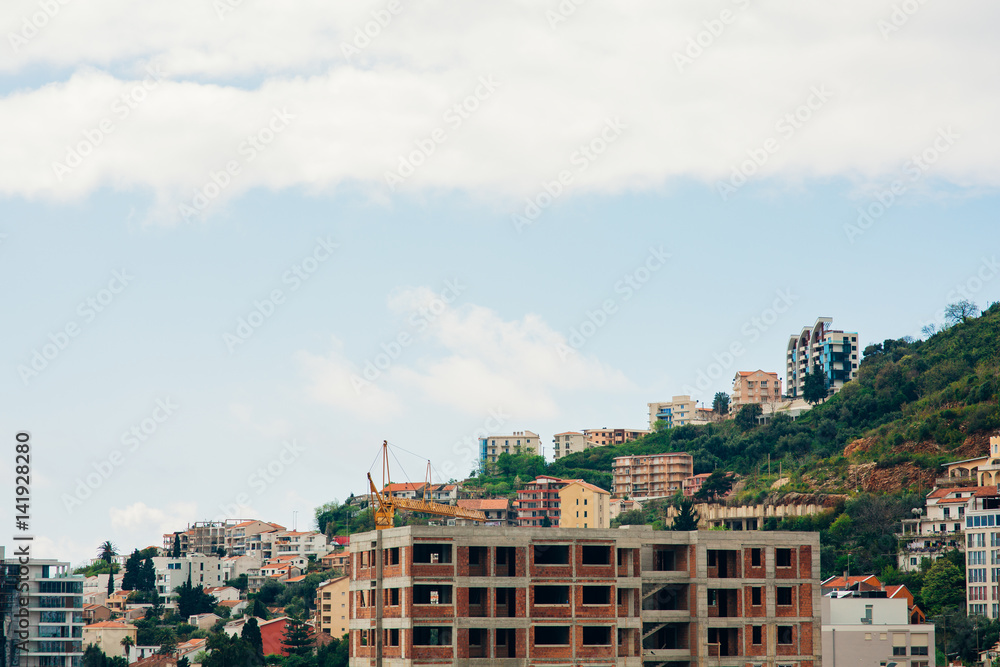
(385, 505)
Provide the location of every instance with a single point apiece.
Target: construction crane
(384, 505)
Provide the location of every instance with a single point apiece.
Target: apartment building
(679, 411)
(332, 606)
(939, 528)
(497, 511)
(518, 442)
(758, 386)
(265, 546)
(988, 470)
(201, 537)
(583, 505)
(173, 572)
(570, 442)
(837, 352)
(602, 437)
(869, 629)
(54, 614)
(538, 502)
(236, 536)
(982, 553)
(650, 475)
(626, 597)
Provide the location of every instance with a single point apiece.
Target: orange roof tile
(484, 504)
(109, 624)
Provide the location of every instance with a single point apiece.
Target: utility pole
(378, 598)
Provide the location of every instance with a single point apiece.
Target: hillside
(913, 406)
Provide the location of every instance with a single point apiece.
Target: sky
(244, 242)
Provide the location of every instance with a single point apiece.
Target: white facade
(173, 572)
(679, 411)
(569, 442)
(55, 613)
(982, 554)
(265, 546)
(937, 530)
(873, 632)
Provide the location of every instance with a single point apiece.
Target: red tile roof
(838, 581)
(109, 624)
(484, 504)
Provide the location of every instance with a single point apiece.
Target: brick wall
(751, 571)
(805, 600)
(805, 562)
(785, 572)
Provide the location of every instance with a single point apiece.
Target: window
(595, 555)
(783, 557)
(783, 595)
(785, 635)
(596, 595)
(432, 635)
(551, 595)
(755, 596)
(596, 635)
(755, 558)
(552, 554)
(757, 634)
(552, 635)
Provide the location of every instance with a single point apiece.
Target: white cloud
(336, 381)
(146, 525)
(353, 119)
(468, 358)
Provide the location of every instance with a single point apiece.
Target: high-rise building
(982, 543)
(836, 352)
(518, 442)
(626, 597)
(54, 615)
(650, 475)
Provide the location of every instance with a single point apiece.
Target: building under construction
(543, 596)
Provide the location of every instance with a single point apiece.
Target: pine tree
(111, 581)
(298, 638)
(148, 577)
(686, 519)
(251, 634)
(177, 545)
(131, 578)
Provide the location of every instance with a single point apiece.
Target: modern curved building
(836, 351)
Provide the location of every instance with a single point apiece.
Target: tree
(148, 577)
(298, 638)
(251, 635)
(229, 651)
(192, 600)
(717, 484)
(132, 579)
(961, 312)
(258, 609)
(814, 388)
(239, 583)
(183, 662)
(107, 552)
(334, 654)
(720, 404)
(177, 546)
(111, 581)
(127, 643)
(746, 418)
(944, 586)
(686, 519)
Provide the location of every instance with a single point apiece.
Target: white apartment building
(870, 630)
(570, 442)
(265, 546)
(937, 529)
(55, 614)
(236, 536)
(837, 352)
(679, 411)
(172, 572)
(518, 442)
(982, 553)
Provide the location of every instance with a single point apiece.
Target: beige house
(758, 387)
(518, 442)
(989, 470)
(679, 411)
(651, 475)
(569, 442)
(203, 621)
(601, 437)
(583, 505)
(333, 606)
(108, 636)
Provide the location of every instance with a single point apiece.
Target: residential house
(869, 629)
(570, 442)
(497, 511)
(95, 613)
(333, 606)
(755, 388)
(583, 505)
(108, 636)
(222, 593)
(203, 621)
(937, 529)
(679, 411)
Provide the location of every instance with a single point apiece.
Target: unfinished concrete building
(631, 597)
